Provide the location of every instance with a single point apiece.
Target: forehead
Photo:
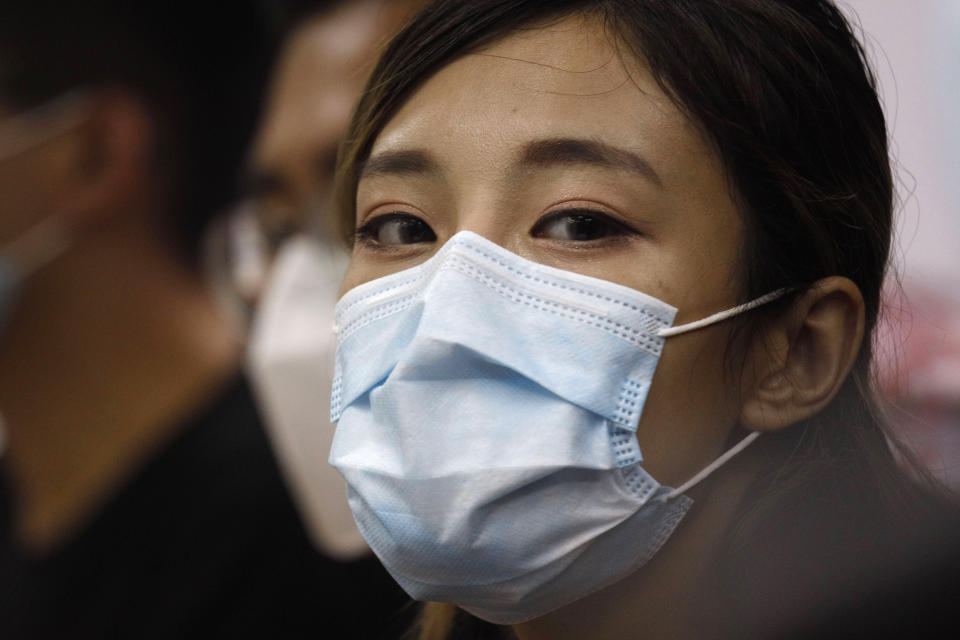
(569, 78)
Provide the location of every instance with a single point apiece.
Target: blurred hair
(297, 11)
(785, 93)
(199, 67)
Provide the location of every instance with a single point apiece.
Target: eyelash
(619, 228)
(367, 233)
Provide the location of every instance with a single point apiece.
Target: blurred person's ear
(800, 360)
(104, 167)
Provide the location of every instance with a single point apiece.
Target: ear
(798, 363)
(105, 163)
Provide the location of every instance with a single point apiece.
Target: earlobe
(804, 357)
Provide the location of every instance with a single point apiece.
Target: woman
(598, 249)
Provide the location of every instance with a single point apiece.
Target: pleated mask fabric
(487, 410)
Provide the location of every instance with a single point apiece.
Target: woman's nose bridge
(490, 218)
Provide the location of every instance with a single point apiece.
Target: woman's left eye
(578, 225)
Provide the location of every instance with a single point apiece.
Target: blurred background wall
(915, 49)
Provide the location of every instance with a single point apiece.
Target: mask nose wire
(722, 315)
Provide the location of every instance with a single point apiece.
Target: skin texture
(113, 342)
(468, 152)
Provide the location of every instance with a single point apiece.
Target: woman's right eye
(392, 229)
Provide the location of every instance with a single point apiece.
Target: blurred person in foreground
(139, 495)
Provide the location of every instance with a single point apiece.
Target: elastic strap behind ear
(713, 466)
(30, 129)
(38, 246)
(722, 315)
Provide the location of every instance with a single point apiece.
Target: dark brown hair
(784, 91)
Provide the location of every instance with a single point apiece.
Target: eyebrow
(399, 163)
(574, 151)
(545, 153)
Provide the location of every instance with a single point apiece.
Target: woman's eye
(395, 229)
(576, 225)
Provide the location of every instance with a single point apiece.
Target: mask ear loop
(30, 129)
(47, 239)
(722, 315)
(38, 246)
(699, 324)
(713, 466)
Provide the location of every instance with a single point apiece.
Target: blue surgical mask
(487, 409)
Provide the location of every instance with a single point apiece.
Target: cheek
(691, 408)
(366, 265)
(356, 275)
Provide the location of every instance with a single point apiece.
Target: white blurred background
(915, 47)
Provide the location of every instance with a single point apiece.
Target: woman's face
(552, 146)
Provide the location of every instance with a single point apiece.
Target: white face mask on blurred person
(290, 361)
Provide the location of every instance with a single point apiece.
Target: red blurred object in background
(918, 354)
